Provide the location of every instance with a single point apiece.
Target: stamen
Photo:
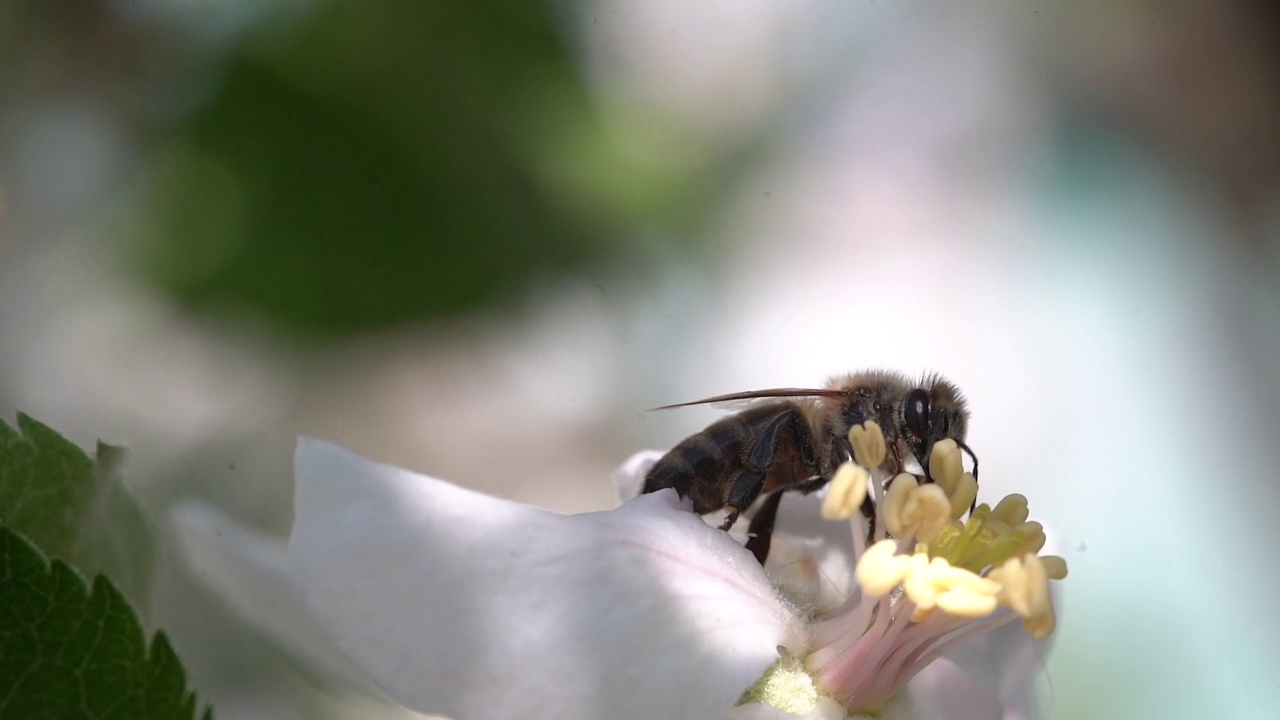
(894, 500)
(1024, 588)
(1054, 567)
(964, 495)
(1033, 536)
(869, 448)
(934, 583)
(881, 569)
(846, 491)
(1012, 510)
(945, 465)
(911, 509)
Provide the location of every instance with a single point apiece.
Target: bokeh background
(479, 239)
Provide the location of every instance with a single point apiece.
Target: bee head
(930, 413)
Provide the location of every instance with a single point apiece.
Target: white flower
(475, 607)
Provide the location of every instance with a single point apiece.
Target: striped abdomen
(703, 467)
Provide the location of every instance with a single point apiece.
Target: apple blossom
(474, 607)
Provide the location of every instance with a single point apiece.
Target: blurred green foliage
(71, 654)
(75, 508)
(381, 162)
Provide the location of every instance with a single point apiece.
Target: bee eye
(915, 412)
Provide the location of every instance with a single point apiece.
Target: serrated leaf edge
(157, 647)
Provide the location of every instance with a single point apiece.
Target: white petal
(943, 691)
(811, 558)
(248, 571)
(475, 607)
(826, 544)
(628, 479)
(1006, 663)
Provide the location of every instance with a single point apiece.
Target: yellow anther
(1033, 538)
(955, 578)
(919, 582)
(1024, 588)
(1012, 510)
(963, 495)
(935, 583)
(945, 464)
(926, 511)
(967, 604)
(1055, 568)
(881, 569)
(894, 499)
(899, 490)
(869, 449)
(847, 490)
(1042, 625)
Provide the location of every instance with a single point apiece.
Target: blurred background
(479, 239)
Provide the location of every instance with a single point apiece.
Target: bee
(793, 439)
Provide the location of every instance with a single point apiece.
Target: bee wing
(739, 399)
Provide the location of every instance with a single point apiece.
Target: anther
(1011, 510)
(881, 569)
(912, 508)
(1024, 588)
(945, 465)
(1033, 537)
(1055, 568)
(847, 489)
(964, 495)
(869, 448)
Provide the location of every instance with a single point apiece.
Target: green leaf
(67, 653)
(74, 508)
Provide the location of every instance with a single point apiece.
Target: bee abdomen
(699, 467)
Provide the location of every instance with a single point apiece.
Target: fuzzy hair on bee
(793, 439)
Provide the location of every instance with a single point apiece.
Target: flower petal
(942, 691)
(1006, 662)
(628, 479)
(811, 558)
(829, 545)
(475, 607)
(248, 570)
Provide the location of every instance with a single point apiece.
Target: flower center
(930, 580)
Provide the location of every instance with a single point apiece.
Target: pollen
(926, 583)
(881, 569)
(945, 465)
(934, 582)
(983, 540)
(1024, 588)
(847, 490)
(785, 686)
(869, 449)
(912, 509)
(964, 495)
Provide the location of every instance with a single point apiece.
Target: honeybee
(796, 438)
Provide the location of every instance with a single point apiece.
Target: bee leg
(897, 459)
(746, 488)
(750, 480)
(729, 519)
(760, 534)
(869, 512)
(974, 458)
